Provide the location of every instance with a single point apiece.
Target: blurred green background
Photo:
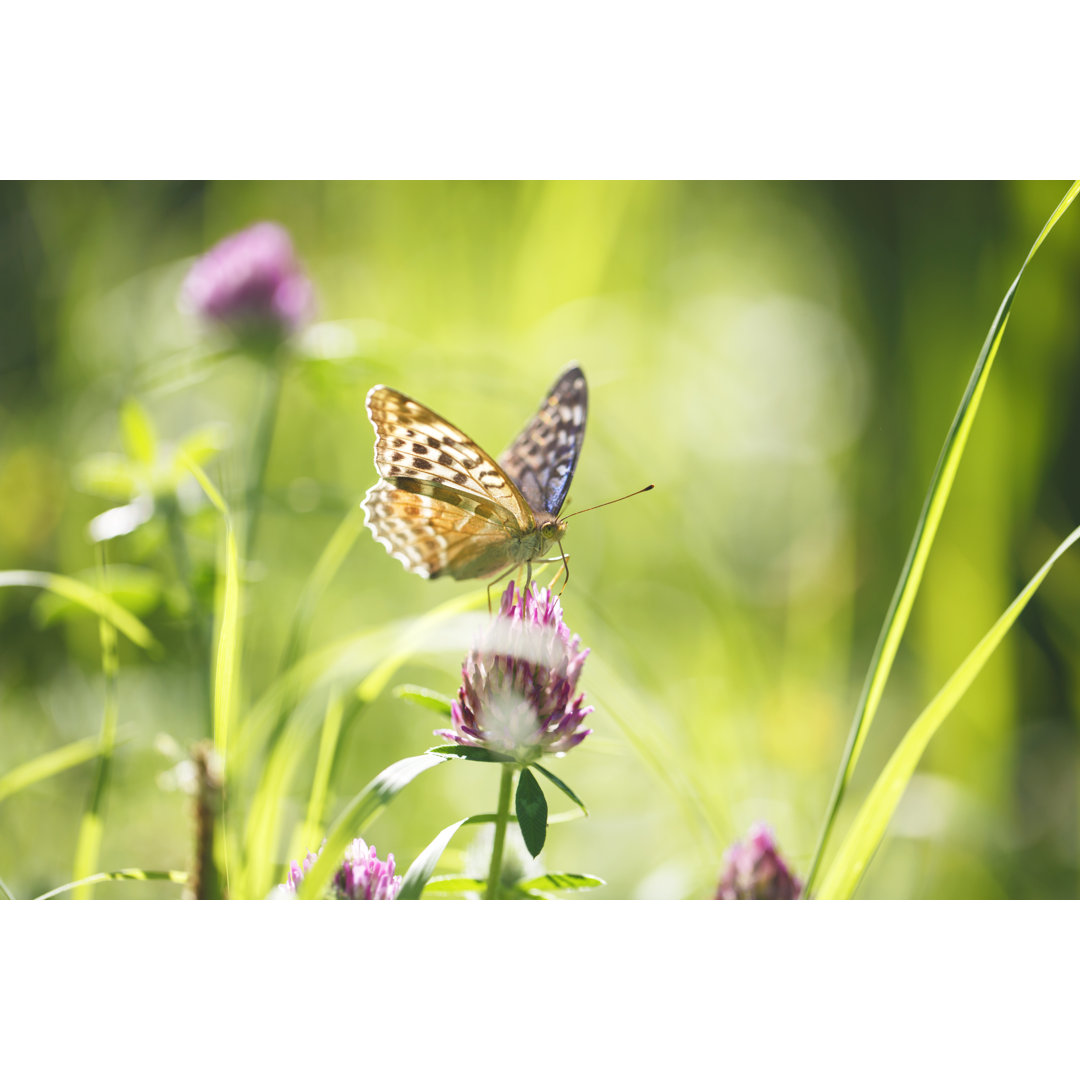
(781, 360)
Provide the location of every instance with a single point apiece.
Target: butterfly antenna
(608, 503)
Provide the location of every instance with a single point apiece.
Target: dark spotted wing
(542, 459)
(415, 447)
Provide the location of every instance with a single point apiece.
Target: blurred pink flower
(252, 285)
(753, 870)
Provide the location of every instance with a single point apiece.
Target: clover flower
(297, 872)
(519, 680)
(361, 876)
(754, 870)
(252, 285)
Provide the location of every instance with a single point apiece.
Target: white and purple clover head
(362, 875)
(251, 285)
(754, 870)
(518, 694)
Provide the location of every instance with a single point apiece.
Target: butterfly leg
(564, 559)
(512, 570)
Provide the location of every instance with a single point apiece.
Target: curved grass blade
(423, 866)
(333, 555)
(178, 876)
(49, 764)
(320, 784)
(422, 696)
(263, 827)
(363, 809)
(8, 894)
(414, 638)
(564, 788)
(371, 658)
(896, 619)
(88, 597)
(866, 833)
(561, 882)
(228, 618)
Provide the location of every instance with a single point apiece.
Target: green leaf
(469, 753)
(866, 833)
(362, 810)
(418, 875)
(140, 439)
(429, 699)
(179, 876)
(562, 787)
(111, 476)
(450, 885)
(202, 444)
(911, 575)
(532, 813)
(561, 882)
(87, 596)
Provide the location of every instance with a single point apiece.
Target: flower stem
(260, 451)
(502, 816)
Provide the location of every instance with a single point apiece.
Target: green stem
(260, 451)
(8, 894)
(88, 844)
(199, 624)
(502, 817)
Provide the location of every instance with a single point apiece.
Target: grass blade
(228, 618)
(178, 876)
(866, 833)
(896, 619)
(320, 784)
(419, 874)
(88, 597)
(49, 764)
(329, 562)
(561, 882)
(88, 845)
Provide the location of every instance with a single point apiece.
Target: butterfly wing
(413, 443)
(542, 459)
(443, 506)
(435, 531)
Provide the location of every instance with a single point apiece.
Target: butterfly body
(442, 506)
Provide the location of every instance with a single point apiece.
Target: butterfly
(444, 507)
